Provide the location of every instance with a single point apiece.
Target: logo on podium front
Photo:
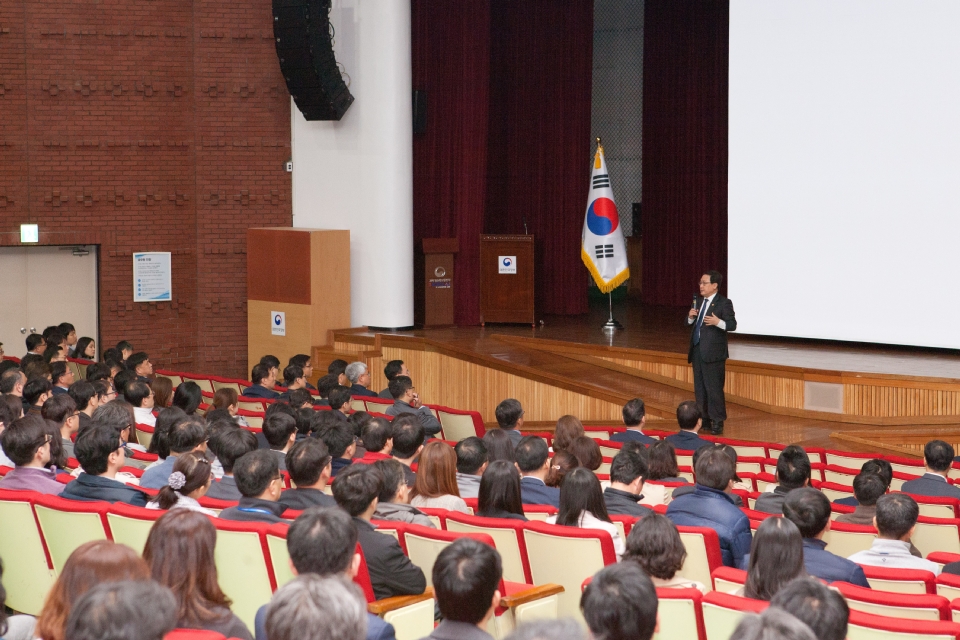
(508, 264)
(278, 323)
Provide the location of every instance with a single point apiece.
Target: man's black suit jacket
(713, 340)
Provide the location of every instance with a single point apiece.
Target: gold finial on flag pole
(599, 145)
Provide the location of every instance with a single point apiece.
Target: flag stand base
(611, 325)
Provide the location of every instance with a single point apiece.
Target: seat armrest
(529, 595)
(380, 607)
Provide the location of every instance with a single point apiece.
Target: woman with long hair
(86, 349)
(188, 482)
(569, 428)
(499, 446)
(587, 452)
(436, 485)
(159, 443)
(662, 463)
(90, 564)
(776, 558)
(229, 400)
(562, 463)
(500, 492)
(188, 397)
(654, 542)
(162, 392)
(582, 506)
(179, 551)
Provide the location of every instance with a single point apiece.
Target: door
(42, 286)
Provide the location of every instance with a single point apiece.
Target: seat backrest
(835, 491)
(144, 434)
(224, 384)
(867, 626)
(539, 512)
(204, 383)
(722, 613)
(437, 516)
(948, 586)
(936, 506)
(583, 553)
(728, 579)
(847, 539)
(67, 524)
(840, 475)
(937, 534)
(279, 555)
(703, 553)
(27, 572)
(423, 545)
(507, 535)
(847, 458)
(244, 570)
(681, 614)
(458, 424)
(900, 580)
(131, 525)
(898, 605)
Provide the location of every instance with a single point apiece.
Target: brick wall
(148, 125)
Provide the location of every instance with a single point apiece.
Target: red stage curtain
(685, 60)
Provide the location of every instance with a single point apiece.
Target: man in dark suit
(937, 459)
(264, 380)
(359, 376)
(623, 495)
(100, 452)
(533, 459)
(308, 463)
(634, 417)
(260, 483)
(690, 421)
(710, 320)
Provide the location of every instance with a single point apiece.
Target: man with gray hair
(359, 376)
(314, 608)
(119, 415)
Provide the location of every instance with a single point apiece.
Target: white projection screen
(844, 170)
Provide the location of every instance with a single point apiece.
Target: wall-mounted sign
(29, 233)
(152, 277)
(278, 323)
(508, 264)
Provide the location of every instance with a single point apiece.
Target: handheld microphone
(694, 305)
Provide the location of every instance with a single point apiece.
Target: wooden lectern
(438, 281)
(506, 279)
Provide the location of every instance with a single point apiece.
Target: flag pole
(611, 326)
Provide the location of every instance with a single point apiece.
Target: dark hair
(793, 467)
(654, 542)
(338, 439)
(715, 469)
(82, 391)
(278, 428)
(399, 386)
(123, 378)
(306, 461)
(896, 514)
(393, 474)
(393, 369)
(818, 606)
(325, 383)
(98, 371)
(408, 435)
(35, 388)
(280, 407)
(620, 603)
(531, 453)
(301, 360)
(633, 412)
(808, 509)
(499, 446)
(66, 328)
(187, 434)
(136, 392)
(508, 413)
(57, 371)
(320, 421)
(114, 355)
(296, 398)
(254, 472)
(136, 359)
(338, 396)
(230, 445)
(291, 373)
(271, 362)
(115, 611)
(937, 454)
(715, 277)
(471, 454)
(356, 487)
(688, 414)
(776, 558)
(499, 489)
(626, 468)
(580, 492)
(53, 349)
(336, 367)
(80, 348)
(465, 576)
(375, 434)
(10, 377)
(259, 373)
(196, 470)
(881, 467)
(33, 341)
(868, 487)
(662, 461)
(562, 463)
(188, 396)
(160, 442)
(179, 551)
(21, 439)
(773, 623)
(94, 446)
(124, 345)
(567, 430)
(322, 540)
(358, 420)
(587, 452)
(58, 408)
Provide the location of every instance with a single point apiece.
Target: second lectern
(506, 279)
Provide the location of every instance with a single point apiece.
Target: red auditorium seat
(914, 581)
(898, 605)
(897, 628)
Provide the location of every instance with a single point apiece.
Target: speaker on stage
(304, 40)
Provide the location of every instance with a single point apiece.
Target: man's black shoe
(716, 428)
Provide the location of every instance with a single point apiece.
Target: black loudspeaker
(419, 111)
(304, 42)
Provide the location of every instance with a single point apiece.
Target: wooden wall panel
(885, 401)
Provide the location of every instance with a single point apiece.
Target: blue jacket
(260, 391)
(533, 491)
(91, 488)
(377, 629)
(687, 441)
(931, 484)
(706, 507)
(632, 436)
(157, 477)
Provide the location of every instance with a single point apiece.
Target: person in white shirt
(189, 481)
(582, 506)
(895, 521)
(140, 395)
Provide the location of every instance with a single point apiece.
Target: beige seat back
(507, 544)
(845, 543)
(26, 575)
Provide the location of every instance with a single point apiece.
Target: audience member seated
(87, 399)
(690, 420)
(159, 444)
(324, 385)
(499, 446)
(655, 544)
(391, 572)
(689, 488)
(179, 551)
(323, 542)
(393, 502)
(163, 392)
(499, 492)
(471, 463)
(776, 558)
(393, 369)
(408, 437)
(581, 505)
(62, 411)
(562, 463)
(188, 397)
(338, 368)
(359, 376)
(140, 364)
(339, 400)
(466, 577)
(119, 415)
(534, 463)
(293, 379)
(620, 603)
(188, 483)
(280, 430)
(793, 472)
(662, 462)
(867, 489)
(568, 429)
(623, 495)
(62, 377)
(91, 564)
(27, 444)
(546, 629)
(436, 484)
(406, 401)
(259, 481)
(877, 466)
(123, 378)
(937, 459)
(302, 360)
(227, 399)
(510, 418)
(35, 393)
(264, 380)
(100, 450)
(308, 463)
(229, 446)
(710, 506)
(185, 435)
(634, 418)
(895, 520)
(35, 345)
(587, 452)
(377, 438)
(340, 442)
(773, 624)
(7, 416)
(140, 396)
(810, 511)
(115, 611)
(357, 421)
(314, 608)
(12, 381)
(818, 606)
